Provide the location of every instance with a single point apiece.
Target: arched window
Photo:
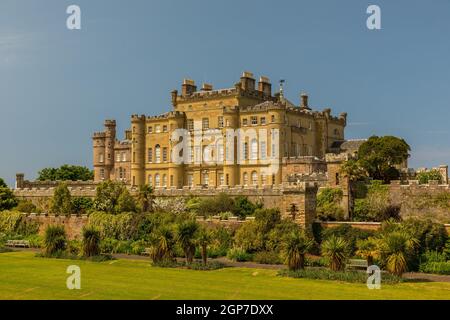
(164, 180)
(157, 153)
(245, 178)
(157, 180)
(254, 149)
(254, 178)
(150, 180)
(101, 158)
(245, 151)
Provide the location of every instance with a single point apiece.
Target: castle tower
(110, 139)
(176, 170)
(98, 146)
(138, 150)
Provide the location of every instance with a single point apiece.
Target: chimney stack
(247, 81)
(264, 86)
(304, 101)
(207, 87)
(188, 87)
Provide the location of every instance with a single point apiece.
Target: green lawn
(23, 276)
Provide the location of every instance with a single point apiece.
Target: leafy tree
(426, 176)
(379, 156)
(162, 243)
(125, 202)
(2, 183)
(55, 240)
(82, 205)
(26, 206)
(296, 244)
(145, 198)
(66, 173)
(185, 236)
(329, 204)
(368, 249)
(62, 200)
(336, 250)
(107, 196)
(7, 199)
(244, 207)
(91, 241)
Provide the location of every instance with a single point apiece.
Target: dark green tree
(62, 200)
(7, 199)
(66, 173)
(379, 156)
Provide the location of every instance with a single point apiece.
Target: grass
(24, 276)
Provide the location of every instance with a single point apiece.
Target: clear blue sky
(57, 86)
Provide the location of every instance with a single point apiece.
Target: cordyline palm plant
(145, 198)
(162, 245)
(91, 241)
(369, 249)
(396, 249)
(336, 250)
(186, 233)
(295, 246)
(55, 240)
(204, 238)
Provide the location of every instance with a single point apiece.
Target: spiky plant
(162, 245)
(295, 245)
(186, 233)
(55, 239)
(336, 250)
(204, 238)
(396, 249)
(91, 241)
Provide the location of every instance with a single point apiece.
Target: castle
(239, 136)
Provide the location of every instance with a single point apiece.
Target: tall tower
(110, 139)
(98, 147)
(138, 150)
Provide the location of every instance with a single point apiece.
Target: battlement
(98, 135)
(138, 118)
(110, 123)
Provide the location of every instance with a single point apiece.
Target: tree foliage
(66, 173)
(379, 156)
(425, 176)
(7, 199)
(113, 197)
(62, 200)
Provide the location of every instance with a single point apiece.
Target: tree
(244, 207)
(145, 198)
(329, 204)
(336, 250)
(396, 249)
(204, 239)
(186, 233)
(379, 156)
(91, 241)
(55, 240)
(7, 199)
(162, 242)
(66, 173)
(2, 183)
(82, 205)
(125, 202)
(62, 200)
(107, 196)
(295, 246)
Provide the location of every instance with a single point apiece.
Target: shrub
(350, 234)
(55, 240)
(15, 223)
(82, 205)
(62, 200)
(73, 247)
(295, 246)
(432, 236)
(336, 250)
(426, 176)
(107, 196)
(267, 257)
(120, 226)
(397, 248)
(238, 254)
(26, 206)
(162, 245)
(7, 199)
(91, 241)
(329, 204)
(244, 207)
(346, 276)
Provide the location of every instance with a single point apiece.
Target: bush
(267, 257)
(15, 223)
(244, 207)
(82, 205)
(350, 234)
(238, 254)
(74, 247)
(55, 240)
(26, 206)
(346, 276)
(329, 204)
(91, 241)
(425, 177)
(121, 226)
(432, 236)
(7, 199)
(62, 200)
(435, 267)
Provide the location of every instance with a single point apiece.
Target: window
(220, 121)
(245, 178)
(171, 181)
(150, 129)
(206, 154)
(227, 123)
(228, 179)
(164, 154)
(337, 178)
(150, 155)
(101, 158)
(221, 179)
(263, 179)
(254, 120)
(273, 179)
(134, 157)
(157, 180)
(197, 154)
(220, 152)
(263, 120)
(190, 124)
(191, 155)
(263, 150)
(245, 151)
(254, 178)
(272, 118)
(102, 173)
(117, 157)
(164, 180)
(109, 156)
(150, 181)
(244, 122)
(205, 123)
(124, 156)
(190, 179)
(157, 153)
(164, 128)
(205, 178)
(157, 128)
(254, 149)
